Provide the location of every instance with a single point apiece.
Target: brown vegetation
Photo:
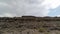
(42, 24)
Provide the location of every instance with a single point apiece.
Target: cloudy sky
(11, 8)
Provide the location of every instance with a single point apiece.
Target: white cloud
(58, 15)
(27, 7)
(6, 15)
(51, 3)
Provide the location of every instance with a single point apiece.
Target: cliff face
(29, 22)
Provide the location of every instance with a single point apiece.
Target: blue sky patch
(54, 12)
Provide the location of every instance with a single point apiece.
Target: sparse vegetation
(42, 29)
(42, 24)
(47, 32)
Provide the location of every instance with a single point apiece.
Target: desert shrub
(47, 33)
(4, 26)
(42, 29)
(1, 32)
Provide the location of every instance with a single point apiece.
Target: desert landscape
(29, 25)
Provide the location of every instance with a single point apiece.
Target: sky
(17, 8)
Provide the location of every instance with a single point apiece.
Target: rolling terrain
(29, 25)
